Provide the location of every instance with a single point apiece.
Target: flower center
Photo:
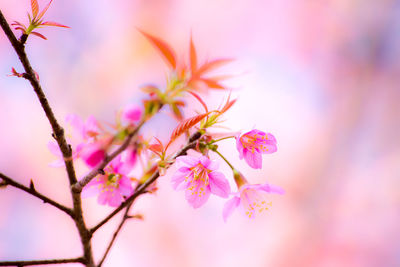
(254, 202)
(198, 179)
(254, 142)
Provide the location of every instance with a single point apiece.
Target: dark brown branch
(41, 262)
(99, 169)
(58, 134)
(8, 181)
(142, 188)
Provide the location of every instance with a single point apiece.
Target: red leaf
(212, 84)
(35, 7)
(163, 47)
(52, 23)
(214, 64)
(41, 14)
(228, 105)
(193, 56)
(199, 99)
(21, 29)
(157, 148)
(38, 34)
(185, 126)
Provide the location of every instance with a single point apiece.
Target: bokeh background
(322, 76)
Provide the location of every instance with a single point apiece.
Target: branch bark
(33, 192)
(41, 262)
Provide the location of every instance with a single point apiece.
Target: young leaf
(193, 56)
(185, 126)
(212, 84)
(163, 47)
(199, 99)
(41, 14)
(39, 34)
(212, 65)
(52, 23)
(35, 7)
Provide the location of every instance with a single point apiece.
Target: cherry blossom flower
(92, 150)
(112, 186)
(254, 143)
(200, 178)
(55, 150)
(253, 198)
(132, 113)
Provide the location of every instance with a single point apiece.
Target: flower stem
(227, 162)
(217, 140)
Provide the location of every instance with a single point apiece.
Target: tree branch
(41, 262)
(77, 187)
(142, 188)
(58, 134)
(33, 192)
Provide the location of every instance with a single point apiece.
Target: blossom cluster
(197, 174)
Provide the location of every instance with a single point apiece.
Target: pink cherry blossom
(87, 130)
(55, 150)
(112, 186)
(253, 198)
(254, 143)
(200, 178)
(132, 113)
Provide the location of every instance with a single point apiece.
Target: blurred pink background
(322, 76)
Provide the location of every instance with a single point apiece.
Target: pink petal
(253, 159)
(90, 191)
(91, 126)
(128, 159)
(56, 163)
(132, 113)
(187, 161)
(229, 207)
(219, 185)
(92, 154)
(177, 179)
(195, 200)
(271, 148)
(77, 123)
(273, 189)
(125, 186)
(239, 147)
(54, 148)
(114, 199)
(103, 198)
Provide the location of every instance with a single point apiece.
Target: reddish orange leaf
(199, 99)
(41, 14)
(38, 34)
(212, 84)
(228, 105)
(35, 7)
(212, 65)
(193, 56)
(52, 23)
(21, 29)
(163, 47)
(185, 126)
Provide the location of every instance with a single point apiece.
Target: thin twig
(98, 170)
(41, 262)
(33, 192)
(142, 188)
